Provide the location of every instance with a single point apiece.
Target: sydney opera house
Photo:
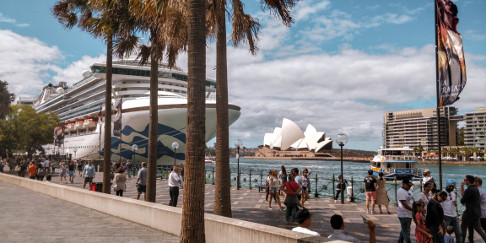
(290, 141)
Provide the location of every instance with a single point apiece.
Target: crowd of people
(434, 212)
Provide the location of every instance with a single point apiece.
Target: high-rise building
(416, 128)
(475, 129)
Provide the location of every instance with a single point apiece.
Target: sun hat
(426, 170)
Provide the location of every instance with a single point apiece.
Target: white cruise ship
(78, 107)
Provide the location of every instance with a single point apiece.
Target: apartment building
(419, 127)
(475, 129)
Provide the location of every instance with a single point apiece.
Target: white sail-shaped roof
(311, 137)
(291, 136)
(276, 138)
(297, 143)
(323, 144)
(290, 133)
(267, 140)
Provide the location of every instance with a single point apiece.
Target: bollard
(212, 171)
(316, 194)
(333, 187)
(352, 189)
(250, 178)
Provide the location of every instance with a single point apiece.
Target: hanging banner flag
(117, 124)
(452, 66)
(59, 136)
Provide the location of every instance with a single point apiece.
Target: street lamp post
(75, 150)
(134, 149)
(341, 140)
(175, 146)
(238, 144)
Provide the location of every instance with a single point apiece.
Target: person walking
(305, 187)
(291, 189)
(471, 216)
(174, 184)
(449, 207)
(72, 173)
(404, 210)
(32, 170)
(273, 185)
(142, 181)
(282, 176)
(298, 179)
(89, 173)
(63, 174)
(482, 194)
(341, 185)
(370, 187)
(80, 168)
(2, 165)
(435, 217)
(426, 195)
(381, 194)
(120, 181)
(421, 232)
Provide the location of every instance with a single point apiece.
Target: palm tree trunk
(107, 142)
(192, 229)
(153, 125)
(222, 195)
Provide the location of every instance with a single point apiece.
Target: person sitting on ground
(304, 218)
(337, 224)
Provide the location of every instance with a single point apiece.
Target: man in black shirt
(435, 217)
(472, 201)
(370, 187)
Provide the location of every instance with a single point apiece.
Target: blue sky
(340, 67)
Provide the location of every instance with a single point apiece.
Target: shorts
(71, 173)
(371, 196)
(304, 188)
(88, 179)
(141, 188)
(273, 189)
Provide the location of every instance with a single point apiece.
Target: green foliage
(5, 99)
(24, 130)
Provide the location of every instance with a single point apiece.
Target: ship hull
(135, 130)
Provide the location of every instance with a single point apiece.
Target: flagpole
(437, 90)
(121, 125)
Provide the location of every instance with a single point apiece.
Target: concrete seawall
(161, 217)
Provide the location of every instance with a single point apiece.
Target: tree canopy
(24, 130)
(5, 99)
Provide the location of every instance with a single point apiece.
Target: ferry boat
(79, 107)
(396, 163)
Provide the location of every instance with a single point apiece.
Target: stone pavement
(28, 216)
(250, 205)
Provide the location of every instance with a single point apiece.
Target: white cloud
(26, 62)
(4, 19)
(73, 73)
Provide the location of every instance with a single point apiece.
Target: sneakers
(335, 201)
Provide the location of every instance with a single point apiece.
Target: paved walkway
(33, 217)
(250, 205)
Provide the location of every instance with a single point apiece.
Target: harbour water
(325, 170)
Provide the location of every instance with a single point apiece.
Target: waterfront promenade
(249, 205)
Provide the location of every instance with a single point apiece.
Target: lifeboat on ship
(78, 125)
(89, 123)
(69, 127)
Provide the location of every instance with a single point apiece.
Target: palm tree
(163, 22)
(244, 27)
(103, 19)
(192, 229)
